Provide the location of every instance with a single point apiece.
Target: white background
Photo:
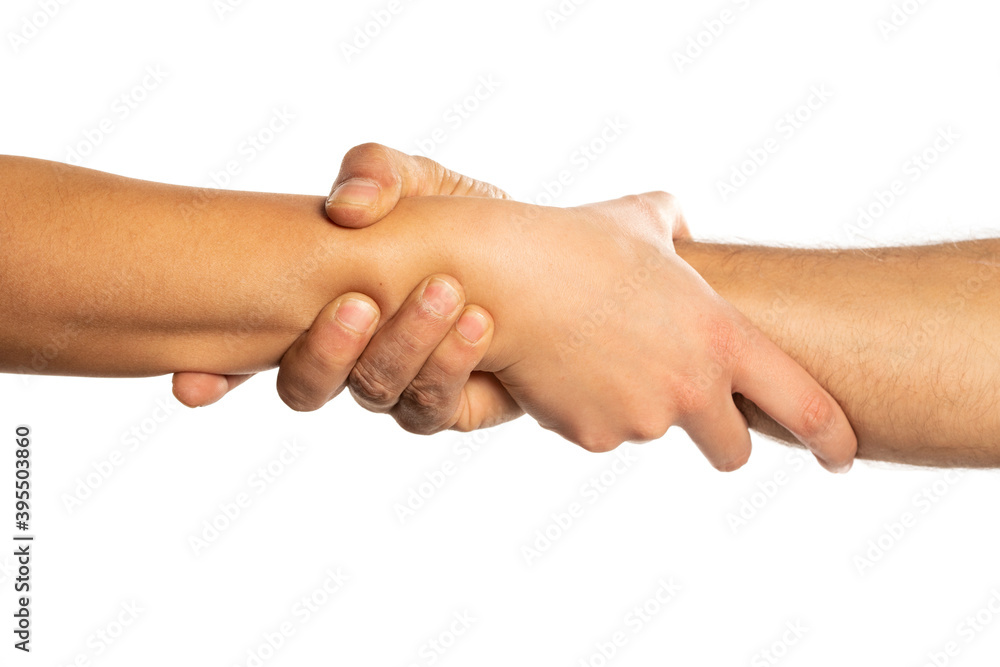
(670, 516)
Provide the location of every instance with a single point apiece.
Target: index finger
(793, 398)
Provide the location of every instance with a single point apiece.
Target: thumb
(373, 178)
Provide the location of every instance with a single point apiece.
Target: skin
(917, 379)
(906, 339)
(433, 384)
(577, 284)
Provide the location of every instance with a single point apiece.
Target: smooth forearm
(904, 338)
(104, 275)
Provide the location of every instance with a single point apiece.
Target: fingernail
(472, 325)
(356, 315)
(440, 297)
(355, 192)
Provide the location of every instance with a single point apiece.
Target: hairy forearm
(906, 339)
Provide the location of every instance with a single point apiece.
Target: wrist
(743, 276)
(466, 238)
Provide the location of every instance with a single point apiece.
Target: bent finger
(399, 350)
(779, 386)
(721, 433)
(314, 368)
(432, 401)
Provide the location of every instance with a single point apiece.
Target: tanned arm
(906, 339)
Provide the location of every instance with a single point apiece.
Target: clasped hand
(601, 332)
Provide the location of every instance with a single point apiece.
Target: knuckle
(410, 341)
(660, 199)
(648, 430)
(691, 398)
(428, 164)
(660, 208)
(467, 186)
(598, 443)
(817, 416)
(414, 341)
(426, 326)
(641, 204)
(370, 386)
(421, 411)
(497, 193)
(434, 173)
(462, 184)
(322, 355)
(423, 398)
(366, 150)
(726, 340)
(294, 397)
